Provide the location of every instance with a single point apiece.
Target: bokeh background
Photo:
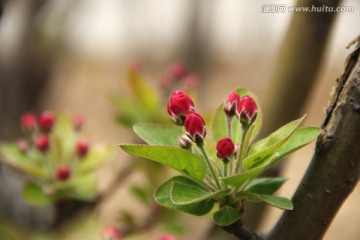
(71, 55)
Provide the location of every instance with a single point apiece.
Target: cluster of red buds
(181, 111)
(38, 136)
(244, 108)
(179, 75)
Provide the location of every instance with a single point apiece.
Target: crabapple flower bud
(82, 148)
(63, 173)
(225, 148)
(42, 143)
(28, 122)
(167, 237)
(110, 233)
(78, 121)
(231, 103)
(178, 70)
(246, 110)
(22, 145)
(195, 127)
(184, 142)
(179, 106)
(46, 121)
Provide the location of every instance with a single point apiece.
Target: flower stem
(228, 121)
(242, 149)
(208, 162)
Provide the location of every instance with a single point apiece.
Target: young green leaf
(80, 187)
(158, 134)
(163, 197)
(271, 143)
(226, 216)
(179, 159)
(300, 138)
(219, 124)
(12, 156)
(143, 93)
(33, 194)
(265, 185)
(279, 202)
(96, 156)
(240, 178)
(186, 191)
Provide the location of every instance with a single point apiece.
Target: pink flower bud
(225, 149)
(231, 103)
(63, 173)
(42, 143)
(167, 237)
(184, 142)
(178, 70)
(82, 148)
(110, 233)
(179, 106)
(22, 145)
(28, 122)
(195, 127)
(191, 81)
(247, 110)
(78, 121)
(46, 121)
(135, 66)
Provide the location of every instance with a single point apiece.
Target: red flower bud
(179, 106)
(22, 145)
(178, 69)
(78, 121)
(167, 237)
(184, 142)
(42, 143)
(63, 173)
(247, 110)
(28, 122)
(46, 121)
(231, 103)
(82, 148)
(225, 149)
(195, 127)
(110, 233)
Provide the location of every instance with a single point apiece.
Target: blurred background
(72, 55)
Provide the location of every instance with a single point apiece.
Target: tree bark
(335, 167)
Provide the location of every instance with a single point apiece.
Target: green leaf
(163, 197)
(143, 93)
(226, 216)
(240, 178)
(219, 124)
(265, 185)
(128, 111)
(179, 159)
(17, 159)
(79, 187)
(158, 134)
(96, 156)
(142, 193)
(187, 191)
(279, 202)
(33, 194)
(300, 138)
(271, 143)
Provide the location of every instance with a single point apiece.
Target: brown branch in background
(296, 67)
(335, 168)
